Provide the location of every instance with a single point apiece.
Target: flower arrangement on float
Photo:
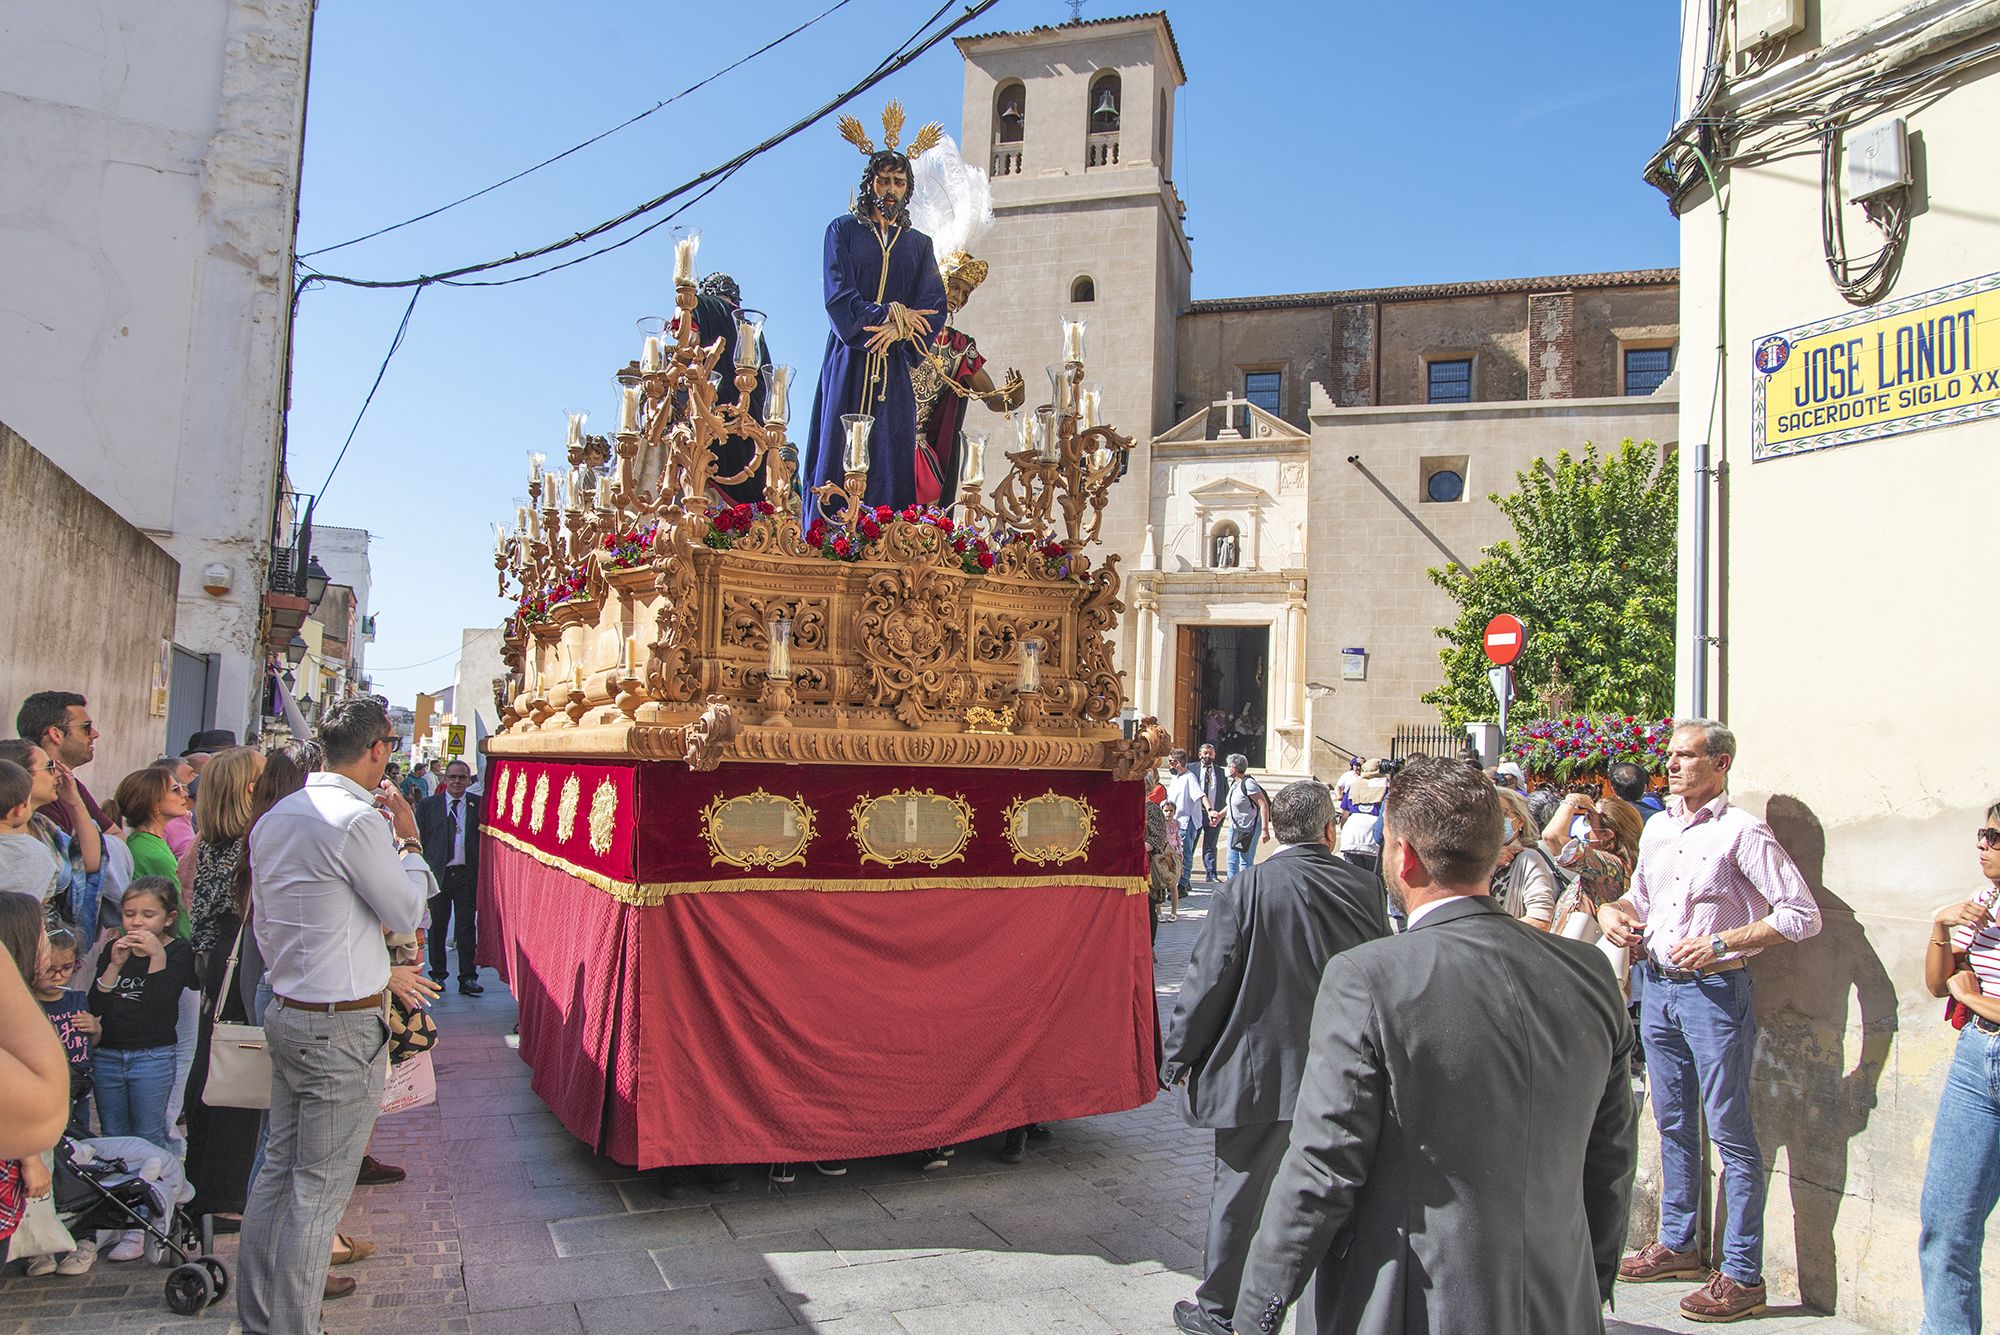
(1587, 744)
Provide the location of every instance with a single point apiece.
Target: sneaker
(1723, 1299)
(830, 1169)
(39, 1266)
(79, 1261)
(782, 1173)
(934, 1160)
(131, 1246)
(1656, 1261)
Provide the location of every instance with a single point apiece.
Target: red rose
(885, 513)
(943, 522)
(986, 560)
(910, 513)
(765, 508)
(841, 546)
(816, 534)
(869, 528)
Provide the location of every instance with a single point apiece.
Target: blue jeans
(131, 1087)
(1238, 861)
(1190, 836)
(1700, 1037)
(1961, 1186)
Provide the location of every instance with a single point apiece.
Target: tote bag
(239, 1063)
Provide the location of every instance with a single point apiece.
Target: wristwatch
(416, 846)
(1715, 944)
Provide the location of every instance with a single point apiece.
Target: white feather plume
(950, 202)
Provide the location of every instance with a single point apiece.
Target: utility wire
(460, 650)
(904, 55)
(402, 328)
(577, 148)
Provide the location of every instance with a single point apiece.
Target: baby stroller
(119, 1182)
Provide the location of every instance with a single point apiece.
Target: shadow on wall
(1808, 1100)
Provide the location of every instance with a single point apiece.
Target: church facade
(1300, 461)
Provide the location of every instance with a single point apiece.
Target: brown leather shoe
(1723, 1299)
(376, 1174)
(1656, 1261)
(338, 1286)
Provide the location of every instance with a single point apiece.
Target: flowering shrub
(1564, 747)
(535, 608)
(630, 548)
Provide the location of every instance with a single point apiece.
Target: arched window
(1101, 129)
(1084, 289)
(1105, 93)
(1010, 113)
(1225, 546)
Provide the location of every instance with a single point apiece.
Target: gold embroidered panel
(1050, 828)
(757, 829)
(912, 825)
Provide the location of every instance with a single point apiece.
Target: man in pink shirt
(1712, 888)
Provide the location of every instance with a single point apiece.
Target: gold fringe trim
(652, 893)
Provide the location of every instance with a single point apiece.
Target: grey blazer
(1463, 1145)
(1239, 1025)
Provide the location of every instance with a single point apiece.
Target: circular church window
(1444, 485)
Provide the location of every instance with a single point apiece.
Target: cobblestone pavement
(506, 1226)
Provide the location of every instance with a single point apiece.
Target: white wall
(150, 154)
(343, 554)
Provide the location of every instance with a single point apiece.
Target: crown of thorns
(892, 130)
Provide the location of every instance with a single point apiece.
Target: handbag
(239, 1063)
(409, 1084)
(411, 1032)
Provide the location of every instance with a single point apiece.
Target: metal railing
(1425, 739)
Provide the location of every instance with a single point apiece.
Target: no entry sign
(1505, 635)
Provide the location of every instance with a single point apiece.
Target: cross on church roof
(1229, 403)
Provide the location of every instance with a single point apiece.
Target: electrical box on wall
(1878, 158)
(1761, 21)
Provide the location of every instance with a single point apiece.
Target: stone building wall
(85, 605)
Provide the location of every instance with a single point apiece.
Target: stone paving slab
(506, 1226)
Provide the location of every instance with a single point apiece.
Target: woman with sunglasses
(147, 800)
(1962, 1179)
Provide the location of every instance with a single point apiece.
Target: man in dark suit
(1463, 1143)
(1237, 1039)
(1214, 782)
(449, 823)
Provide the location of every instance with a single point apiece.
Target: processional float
(814, 841)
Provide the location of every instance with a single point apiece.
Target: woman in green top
(147, 800)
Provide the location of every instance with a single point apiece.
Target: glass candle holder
(628, 410)
(973, 451)
(749, 337)
(1031, 667)
(858, 427)
(535, 461)
(777, 395)
(780, 666)
(1048, 436)
(687, 244)
(1072, 336)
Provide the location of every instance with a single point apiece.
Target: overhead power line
(904, 55)
(578, 148)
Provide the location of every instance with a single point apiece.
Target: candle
(749, 334)
(1048, 436)
(688, 242)
(576, 429)
(521, 519)
(974, 450)
(858, 425)
(780, 668)
(631, 654)
(1024, 429)
(499, 539)
(576, 676)
(535, 461)
(1031, 666)
(1072, 340)
(628, 411)
(1087, 413)
(562, 492)
(777, 395)
(649, 362)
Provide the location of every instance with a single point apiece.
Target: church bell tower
(1074, 123)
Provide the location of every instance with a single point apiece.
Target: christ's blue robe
(860, 284)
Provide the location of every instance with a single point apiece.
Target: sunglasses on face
(1987, 836)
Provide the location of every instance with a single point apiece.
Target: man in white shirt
(1190, 811)
(332, 876)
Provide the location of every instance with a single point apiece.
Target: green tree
(1590, 569)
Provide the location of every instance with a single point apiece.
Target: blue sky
(1321, 145)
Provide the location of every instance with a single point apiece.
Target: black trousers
(457, 890)
(1246, 1159)
(1209, 834)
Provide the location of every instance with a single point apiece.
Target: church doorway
(1221, 683)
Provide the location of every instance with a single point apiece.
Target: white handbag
(239, 1064)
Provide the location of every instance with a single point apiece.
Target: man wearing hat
(204, 747)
